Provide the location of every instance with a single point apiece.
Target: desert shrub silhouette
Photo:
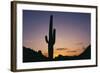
(30, 55)
(87, 53)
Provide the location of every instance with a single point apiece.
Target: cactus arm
(54, 35)
(46, 39)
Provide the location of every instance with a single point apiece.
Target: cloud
(72, 51)
(79, 43)
(61, 48)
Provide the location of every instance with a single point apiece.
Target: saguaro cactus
(51, 40)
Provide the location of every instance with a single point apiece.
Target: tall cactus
(51, 40)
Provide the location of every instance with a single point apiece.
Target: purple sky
(72, 29)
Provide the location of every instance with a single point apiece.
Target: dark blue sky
(71, 29)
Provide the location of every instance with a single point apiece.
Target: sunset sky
(72, 31)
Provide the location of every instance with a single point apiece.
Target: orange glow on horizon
(65, 52)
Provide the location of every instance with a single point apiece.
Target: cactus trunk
(51, 40)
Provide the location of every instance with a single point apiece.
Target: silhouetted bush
(30, 55)
(87, 53)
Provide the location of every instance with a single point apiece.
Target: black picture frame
(14, 31)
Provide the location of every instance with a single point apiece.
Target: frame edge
(13, 36)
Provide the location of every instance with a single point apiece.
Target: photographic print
(56, 36)
(53, 36)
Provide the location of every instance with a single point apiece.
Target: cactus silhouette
(51, 39)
